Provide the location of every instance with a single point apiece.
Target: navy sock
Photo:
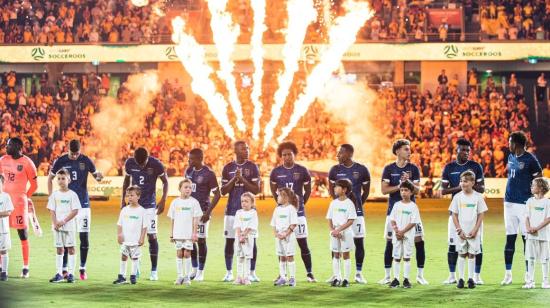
(452, 257)
(479, 260)
(154, 252)
(388, 254)
(254, 257)
(84, 246)
(65, 257)
(228, 253)
(420, 254)
(203, 250)
(194, 256)
(305, 253)
(359, 253)
(509, 250)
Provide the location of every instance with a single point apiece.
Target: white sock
(282, 269)
(530, 271)
(70, 263)
(179, 267)
(59, 263)
(5, 262)
(291, 269)
(247, 268)
(122, 270)
(406, 269)
(544, 271)
(420, 272)
(135, 266)
(188, 266)
(460, 265)
(396, 269)
(471, 267)
(336, 268)
(347, 268)
(388, 272)
(240, 267)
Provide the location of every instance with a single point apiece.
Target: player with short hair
(184, 216)
(522, 167)
(204, 183)
(19, 170)
(393, 175)
(538, 232)
(284, 222)
(403, 219)
(450, 183)
(468, 208)
(132, 225)
(341, 214)
(6, 207)
(296, 177)
(78, 165)
(246, 233)
(238, 177)
(359, 176)
(144, 170)
(63, 205)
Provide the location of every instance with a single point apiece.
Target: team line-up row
(291, 186)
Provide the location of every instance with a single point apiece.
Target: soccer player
(204, 182)
(296, 177)
(143, 170)
(284, 222)
(63, 205)
(246, 232)
(132, 225)
(6, 207)
(359, 176)
(403, 219)
(341, 214)
(450, 183)
(537, 220)
(468, 208)
(18, 171)
(522, 167)
(78, 165)
(238, 177)
(184, 214)
(392, 176)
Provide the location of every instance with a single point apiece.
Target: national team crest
(82, 166)
(150, 171)
(246, 172)
(19, 168)
(199, 179)
(296, 176)
(521, 165)
(356, 175)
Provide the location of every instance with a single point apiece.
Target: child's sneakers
(460, 284)
(120, 280)
(545, 284)
(238, 281)
(246, 282)
(335, 283)
(57, 278)
(394, 283)
(3, 276)
(406, 283)
(471, 284)
(70, 278)
(280, 282)
(133, 279)
(529, 285)
(345, 283)
(186, 281)
(179, 281)
(292, 282)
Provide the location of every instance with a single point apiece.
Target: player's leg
(358, 229)
(511, 223)
(84, 220)
(521, 213)
(478, 263)
(19, 219)
(202, 252)
(25, 250)
(153, 242)
(229, 250)
(122, 266)
(194, 261)
(387, 253)
(301, 232)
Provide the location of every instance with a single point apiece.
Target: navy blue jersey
(203, 182)
(453, 170)
(294, 178)
(78, 170)
(358, 174)
(392, 175)
(521, 172)
(146, 179)
(250, 172)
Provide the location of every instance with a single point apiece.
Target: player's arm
(171, 229)
(251, 186)
(142, 236)
(307, 191)
(50, 183)
(53, 217)
(543, 224)
(480, 186)
(388, 189)
(273, 187)
(459, 230)
(345, 226)
(125, 186)
(229, 182)
(331, 181)
(162, 202)
(446, 189)
(32, 176)
(366, 191)
(408, 227)
(5, 213)
(69, 217)
(195, 227)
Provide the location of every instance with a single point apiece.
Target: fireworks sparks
(258, 6)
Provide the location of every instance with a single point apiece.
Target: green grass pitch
(103, 263)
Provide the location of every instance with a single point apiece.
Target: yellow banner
(310, 52)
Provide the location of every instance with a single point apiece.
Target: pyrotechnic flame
(192, 56)
(257, 50)
(341, 36)
(300, 14)
(225, 34)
